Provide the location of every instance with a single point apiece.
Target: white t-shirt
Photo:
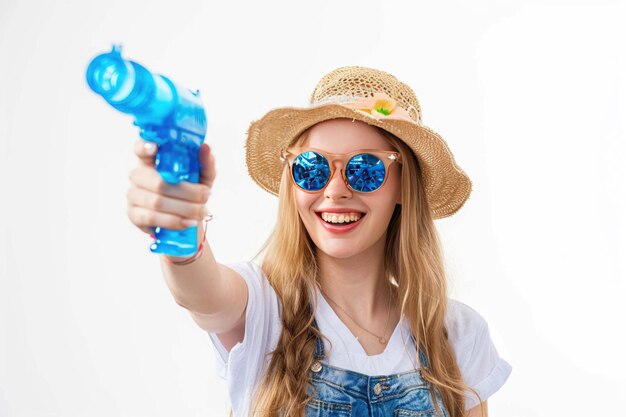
(481, 366)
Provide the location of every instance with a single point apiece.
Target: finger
(149, 179)
(146, 218)
(145, 151)
(146, 229)
(156, 202)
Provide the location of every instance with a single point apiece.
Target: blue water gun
(166, 114)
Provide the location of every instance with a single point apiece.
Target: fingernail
(190, 223)
(149, 147)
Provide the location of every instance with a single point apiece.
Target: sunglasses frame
(387, 157)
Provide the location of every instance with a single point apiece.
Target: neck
(357, 283)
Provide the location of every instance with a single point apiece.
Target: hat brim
(446, 184)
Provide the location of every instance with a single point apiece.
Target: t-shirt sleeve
(246, 359)
(481, 366)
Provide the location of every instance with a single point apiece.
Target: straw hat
(376, 98)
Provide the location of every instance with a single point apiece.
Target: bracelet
(198, 253)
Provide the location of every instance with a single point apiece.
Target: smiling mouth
(340, 219)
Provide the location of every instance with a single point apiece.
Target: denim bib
(341, 392)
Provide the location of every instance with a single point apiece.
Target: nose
(337, 188)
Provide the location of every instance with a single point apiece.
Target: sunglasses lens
(310, 171)
(365, 172)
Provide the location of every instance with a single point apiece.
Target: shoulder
(464, 324)
(480, 364)
(247, 269)
(259, 286)
(253, 276)
(262, 299)
(262, 325)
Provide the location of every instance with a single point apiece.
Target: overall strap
(319, 344)
(423, 359)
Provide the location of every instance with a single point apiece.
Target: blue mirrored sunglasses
(363, 171)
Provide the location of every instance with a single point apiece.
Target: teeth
(340, 218)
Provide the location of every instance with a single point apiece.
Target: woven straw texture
(446, 184)
(362, 82)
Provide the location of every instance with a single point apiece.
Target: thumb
(207, 165)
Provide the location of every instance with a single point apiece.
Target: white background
(530, 96)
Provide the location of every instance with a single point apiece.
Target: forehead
(344, 136)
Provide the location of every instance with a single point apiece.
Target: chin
(340, 248)
(338, 252)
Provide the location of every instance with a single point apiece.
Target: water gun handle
(175, 161)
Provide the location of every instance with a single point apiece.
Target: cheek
(385, 202)
(304, 201)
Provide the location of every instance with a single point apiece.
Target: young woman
(348, 313)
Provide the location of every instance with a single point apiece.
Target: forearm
(195, 286)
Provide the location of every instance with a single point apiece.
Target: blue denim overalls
(341, 392)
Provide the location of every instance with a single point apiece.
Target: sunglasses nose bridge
(337, 170)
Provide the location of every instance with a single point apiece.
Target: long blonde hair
(412, 257)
